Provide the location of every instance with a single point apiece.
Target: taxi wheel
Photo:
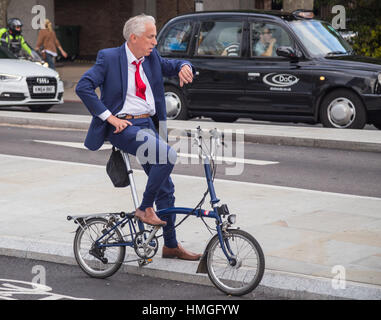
(175, 104)
(40, 108)
(342, 109)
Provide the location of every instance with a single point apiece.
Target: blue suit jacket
(110, 74)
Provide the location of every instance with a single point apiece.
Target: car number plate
(43, 89)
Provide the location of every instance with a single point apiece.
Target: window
(176, 40)
(266, 38)
(220, 39)
(320, 38)
(6, 54)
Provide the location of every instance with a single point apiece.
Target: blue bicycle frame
(127, 219)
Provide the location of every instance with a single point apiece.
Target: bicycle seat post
(126, 159)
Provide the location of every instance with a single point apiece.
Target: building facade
(101, 22)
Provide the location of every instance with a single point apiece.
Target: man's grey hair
(136, 25)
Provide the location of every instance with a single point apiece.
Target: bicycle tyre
(233, 285)
(91, 265)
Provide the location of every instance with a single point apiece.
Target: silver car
(27, 83)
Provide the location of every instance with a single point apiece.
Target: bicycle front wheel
(241, 275)
(98, 262)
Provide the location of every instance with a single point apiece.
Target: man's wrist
(104, 115)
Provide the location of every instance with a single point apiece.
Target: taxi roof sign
(301, 13)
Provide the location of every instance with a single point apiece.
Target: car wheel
(40, 108)
(343, 109)
(224, 119)
(175, 104)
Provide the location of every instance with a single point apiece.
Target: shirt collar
(130, 56)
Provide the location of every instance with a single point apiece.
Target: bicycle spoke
(94, 260)
(244, 272)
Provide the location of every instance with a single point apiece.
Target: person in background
(266, 46)
(47, 40)
(12, 39)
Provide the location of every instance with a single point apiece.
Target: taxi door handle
(253, 75)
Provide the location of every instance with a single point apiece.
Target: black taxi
(272, 66)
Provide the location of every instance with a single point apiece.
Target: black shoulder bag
(116, 169)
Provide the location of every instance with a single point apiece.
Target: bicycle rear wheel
(98, 262)
(245, 272)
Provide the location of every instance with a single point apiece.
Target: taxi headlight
(9, 77)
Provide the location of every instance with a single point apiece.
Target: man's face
(267, 35)
(17, 30)
(143, 45)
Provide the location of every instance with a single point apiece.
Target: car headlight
(44, 64)
(9, 77)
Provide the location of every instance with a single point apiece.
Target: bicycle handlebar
(215, 136)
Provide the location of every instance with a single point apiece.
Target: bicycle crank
(146, 244)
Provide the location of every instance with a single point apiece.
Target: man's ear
(132, 38)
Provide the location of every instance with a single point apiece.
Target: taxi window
(219, 38)
(176, 39)
(266, 38)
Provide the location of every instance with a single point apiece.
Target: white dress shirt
(134, 105)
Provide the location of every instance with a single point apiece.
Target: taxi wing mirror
(287, 52)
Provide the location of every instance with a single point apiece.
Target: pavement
(317, 245)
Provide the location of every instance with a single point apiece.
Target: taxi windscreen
(320, 38)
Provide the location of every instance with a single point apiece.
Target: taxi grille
(41, 82)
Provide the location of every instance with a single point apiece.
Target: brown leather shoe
(180, 253)
(149, 217)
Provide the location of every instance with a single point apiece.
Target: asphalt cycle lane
(28, 279)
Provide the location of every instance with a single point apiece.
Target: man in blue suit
(132, 101)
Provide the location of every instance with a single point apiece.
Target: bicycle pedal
(144, 262)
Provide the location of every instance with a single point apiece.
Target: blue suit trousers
(157, 159)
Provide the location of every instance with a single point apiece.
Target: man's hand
(185, 75)
(119, 124)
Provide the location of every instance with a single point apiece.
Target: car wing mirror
(287, 52)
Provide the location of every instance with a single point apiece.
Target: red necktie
(140, 86)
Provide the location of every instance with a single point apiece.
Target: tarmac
(317, 245)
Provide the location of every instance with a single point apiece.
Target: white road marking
(10, 289)
(80, 145)
(231, 159)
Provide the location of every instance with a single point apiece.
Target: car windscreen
(320, 38)
(6, 54)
